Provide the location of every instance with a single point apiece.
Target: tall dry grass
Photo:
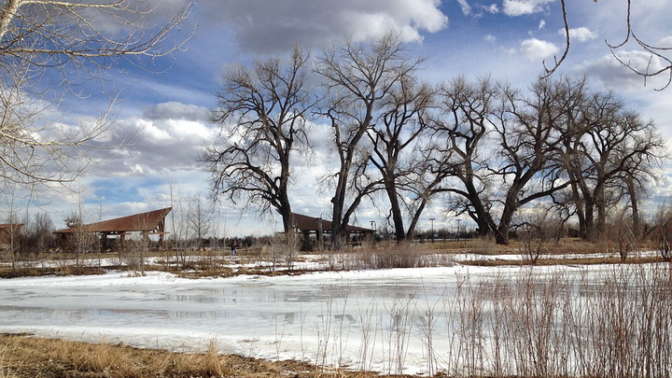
(616, 324)
(5, 371)
(63, 358)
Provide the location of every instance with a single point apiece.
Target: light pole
(432, 219)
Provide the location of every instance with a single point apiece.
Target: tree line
(488, 149)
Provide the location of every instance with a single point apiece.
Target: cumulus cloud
(582, 34)
(270, 26)
(536, 49)
(523, 7)
(490, 38)
(542, 24)
(169, 136)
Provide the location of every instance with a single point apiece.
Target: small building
(318, 230)
(151, 222)
(9, 233)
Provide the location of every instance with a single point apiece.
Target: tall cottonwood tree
(432, 165)
(610, 149)
(529, 149)
(519, 165)
(358, 79)
(464, 125)
(263, 115)
(402, 121)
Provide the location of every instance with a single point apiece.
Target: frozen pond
(368, 319)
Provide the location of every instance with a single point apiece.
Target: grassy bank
(22, 356)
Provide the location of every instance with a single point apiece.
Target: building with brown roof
(319, 230)
(151, 222)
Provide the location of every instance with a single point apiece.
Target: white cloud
(582, 34)
(536, 49)
(523, 7)
(466, 8)
(542, 24)
(490, 38)
(492, 8)
(270, 26)
(615, 75)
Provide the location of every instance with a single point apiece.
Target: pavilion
(320, 229)
(151, 222)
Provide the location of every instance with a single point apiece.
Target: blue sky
(160, 119)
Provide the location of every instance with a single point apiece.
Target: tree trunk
(480, 215)
(601, 214)
(397, 217)
(510, 207)
(338, 201)
(502, 232)
(285, 211)
(590, 220)
(410, 234)
(634, 203)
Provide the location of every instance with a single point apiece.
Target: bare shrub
(621, 231)
(615, 325)
(662, 230)
(534, 235)
(394, 256)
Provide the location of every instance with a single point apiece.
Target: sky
(159, 122)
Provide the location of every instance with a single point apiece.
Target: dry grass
(7, 272)
(566, 261)
(486, 246)
(29, 357)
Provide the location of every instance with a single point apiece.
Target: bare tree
(464, 124)
(40, 39)
(402, 121)
(263, 115)
(51, 33)
(426, 180)
(38, 236)
(531, 165)
(524, 164)
(200, 221)
(359, 78)
(610, 152)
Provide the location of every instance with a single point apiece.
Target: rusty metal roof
(306, 223)
(9, 226)
(137, 222)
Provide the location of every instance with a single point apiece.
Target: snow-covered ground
(331, 317)
(307, 262)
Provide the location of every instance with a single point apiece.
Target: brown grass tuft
(29, 357)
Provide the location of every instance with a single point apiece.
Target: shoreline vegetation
(265, 261)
